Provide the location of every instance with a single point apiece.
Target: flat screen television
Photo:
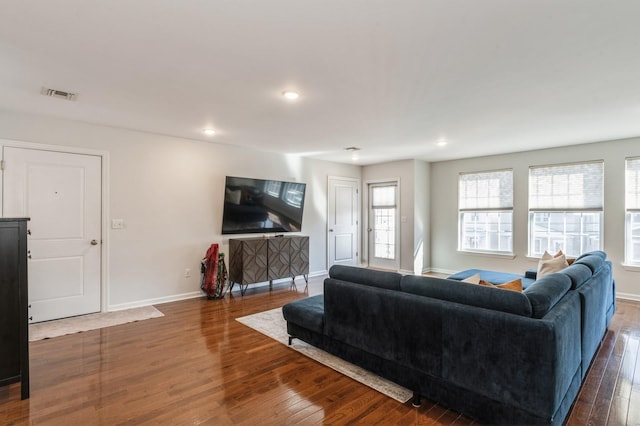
(262, 206)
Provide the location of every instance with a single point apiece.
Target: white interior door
(342, 226)
(383, 228)
(61, 193)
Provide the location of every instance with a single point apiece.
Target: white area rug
(272, 324)
(49, 329)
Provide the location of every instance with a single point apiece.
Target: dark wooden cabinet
(254, 260)
(14, 332)
(299, 256)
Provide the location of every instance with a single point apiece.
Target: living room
(168, 190)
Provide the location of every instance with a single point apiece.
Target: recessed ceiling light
(441, 142)
(209, 132)
(292, 96)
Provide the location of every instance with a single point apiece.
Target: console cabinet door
(299, 255)
(279, 258)
(248, 262)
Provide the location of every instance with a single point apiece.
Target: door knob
(330, 230)
(94, 243)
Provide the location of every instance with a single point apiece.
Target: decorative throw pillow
(514, 285)
(549, 264)
(473, 279)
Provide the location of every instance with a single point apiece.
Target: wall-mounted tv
(262, 206)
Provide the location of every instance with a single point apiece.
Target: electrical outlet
(187, 272)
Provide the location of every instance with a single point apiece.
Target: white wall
(444, 207)
(422, 217)
(169, 191)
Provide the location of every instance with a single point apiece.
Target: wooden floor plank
(198, 365)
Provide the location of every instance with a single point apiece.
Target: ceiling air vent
(61, 94)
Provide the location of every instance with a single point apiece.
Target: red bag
(214, 272)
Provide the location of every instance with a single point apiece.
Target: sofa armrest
(499, 355)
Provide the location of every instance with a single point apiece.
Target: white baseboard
(442, 271)
(155, 301)
(194, 294)
(628, 296)
(318, 273)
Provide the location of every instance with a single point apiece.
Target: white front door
(342, 223)
(383, 226)
(61, 193)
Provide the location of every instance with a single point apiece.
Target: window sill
(629, 267)
(488, 254)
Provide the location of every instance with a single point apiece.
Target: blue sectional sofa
(496, 355)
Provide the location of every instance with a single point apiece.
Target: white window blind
(633, 184)
(486, 191)
(383, 196)
(567, 187)
(485, 220)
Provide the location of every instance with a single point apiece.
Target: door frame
(365, 217)
(104, 211)
(356, 181)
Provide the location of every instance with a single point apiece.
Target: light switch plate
(117, 223)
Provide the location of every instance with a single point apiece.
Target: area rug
(49, 329)
(272, 324)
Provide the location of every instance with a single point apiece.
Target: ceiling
(392, 77)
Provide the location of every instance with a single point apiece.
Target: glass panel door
(383, 225)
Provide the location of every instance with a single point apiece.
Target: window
(565, 208)
(294, 194)
(632, 202)
(273, 188)
(485, 207)
(383, 212)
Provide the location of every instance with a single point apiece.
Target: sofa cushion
(307, 313)
(578, 273)
(467, 294)
(546, 292)
(593, 262)
(380, 279)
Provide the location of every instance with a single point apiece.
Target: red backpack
(214, 273)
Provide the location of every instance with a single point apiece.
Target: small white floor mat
(49, 329)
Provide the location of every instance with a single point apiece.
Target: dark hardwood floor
(197, 365)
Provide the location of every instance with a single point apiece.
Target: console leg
(290, 340)
(416, 400)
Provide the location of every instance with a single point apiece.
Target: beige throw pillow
(549, 264)
(473, 279)
(514, 285)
